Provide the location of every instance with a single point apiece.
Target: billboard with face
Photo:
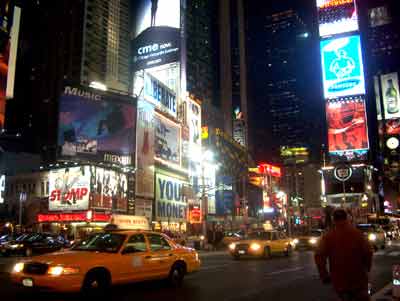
(156, 33)
(336, 16)
(69, 189)
(342, 67)
(167, 144)
(390, 95)
(109, 190)
(347, 125)
(96, 126)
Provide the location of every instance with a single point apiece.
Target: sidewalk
(384, 294)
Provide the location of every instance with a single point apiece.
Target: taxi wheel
(176, 275)
(267, 253)
(96, 283)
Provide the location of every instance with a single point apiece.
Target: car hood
(72, 257)
(250, 241)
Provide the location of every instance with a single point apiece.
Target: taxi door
(276, 245)
(162, 256)
(131, 266)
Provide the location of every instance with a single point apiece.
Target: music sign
(343, 173)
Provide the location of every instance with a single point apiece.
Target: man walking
(350, 258)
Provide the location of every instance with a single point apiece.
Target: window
(157, 243)
(136, 243)
(274, 236)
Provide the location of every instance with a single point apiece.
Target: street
(222, 278)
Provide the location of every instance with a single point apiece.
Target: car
(232, 236)
(375, 235)
(391, 232)
(108, 258)
(308, 241)
(33, 244)
(262, 244)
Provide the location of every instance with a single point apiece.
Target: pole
(203, 201)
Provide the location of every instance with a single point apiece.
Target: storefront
(170, 208)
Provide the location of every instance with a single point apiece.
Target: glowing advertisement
(157, 33)
(347, 126)
(336, 16)
(2, 188)
(194, 122)
(109, 190)
(170, 204)
(390, 95)
(379, 16)
(167, 146)
(342, 67)
(96, 126)
(377, 98)
(69, 189)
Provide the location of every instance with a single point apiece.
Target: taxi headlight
(18, 267)
(232, 246)
(313, 241)
(255, 247)
(60, 270)
(15, 246)
(372, 237)
(295, 241)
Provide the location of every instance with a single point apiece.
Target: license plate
(27, 282)
(242, 252)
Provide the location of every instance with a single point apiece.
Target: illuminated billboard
(69, 189)
(379, 16)
(347, 125)
(336, 16)
(157, 33)
(167, 146)
(342, 67)
(390, 95)
(96, 126)
(109, 190)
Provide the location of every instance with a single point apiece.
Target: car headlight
(232, 246)
(18, 267)
(255, 247)
(15, 246)
(372, 237)
(295, 241)
(389, 233)
(62, 270)
(313, 241)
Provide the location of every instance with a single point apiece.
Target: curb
(212, 253)
(385, 294)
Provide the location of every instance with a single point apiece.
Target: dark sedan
(33, 243)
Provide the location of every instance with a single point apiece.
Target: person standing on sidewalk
(350, 259)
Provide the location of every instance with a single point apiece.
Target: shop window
(158, 243)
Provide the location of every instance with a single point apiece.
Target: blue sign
(342, 67)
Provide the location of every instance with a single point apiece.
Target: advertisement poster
(379, 16)
(170, 204)
(145, 150)
(144, 208)
(109, 190)
(342, 67)
(377, 98)
(393, 126)
(69, 189)
(157, 33)
(96, 127)
(167, 144)
(336, 16)
(347, 126)
(390, 95)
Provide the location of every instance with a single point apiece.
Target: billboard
(379, 16)
(96, 126)
(170, 204)
(145, 150)
(167, 146)
(336, 16)
(377, 98)
(69, 188)
(109, 190)
(347, 125)
(390, 95)
(342, 67)
(156, 34)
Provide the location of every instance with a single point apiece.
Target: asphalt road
(222, 278)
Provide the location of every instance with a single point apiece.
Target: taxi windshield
(101, 242)
(260, 235)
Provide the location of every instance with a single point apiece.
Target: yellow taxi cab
(262, 244)
(108, 258)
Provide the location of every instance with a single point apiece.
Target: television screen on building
(347, 125)
(336, 16)
(342, 67)
(167, 146)
(98, 127)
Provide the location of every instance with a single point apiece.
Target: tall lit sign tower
(343, 80)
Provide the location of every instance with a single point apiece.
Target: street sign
(343, 173)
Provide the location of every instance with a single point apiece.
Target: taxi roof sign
(128, 222)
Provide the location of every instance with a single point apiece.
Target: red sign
(335, 3)
(70, 195)
(347, 125)
(195, 215)
(73, 217)
(269, 170)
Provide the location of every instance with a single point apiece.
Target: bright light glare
(98, 86)
(208, 155)
(255, 247)
(313, 241)
(372, 237)
(55, 271)
(19, 267)
(232, 246)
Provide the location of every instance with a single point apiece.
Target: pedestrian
(350, 259)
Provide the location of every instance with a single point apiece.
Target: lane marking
(284, 271)
(380, 253)
(395, 253)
